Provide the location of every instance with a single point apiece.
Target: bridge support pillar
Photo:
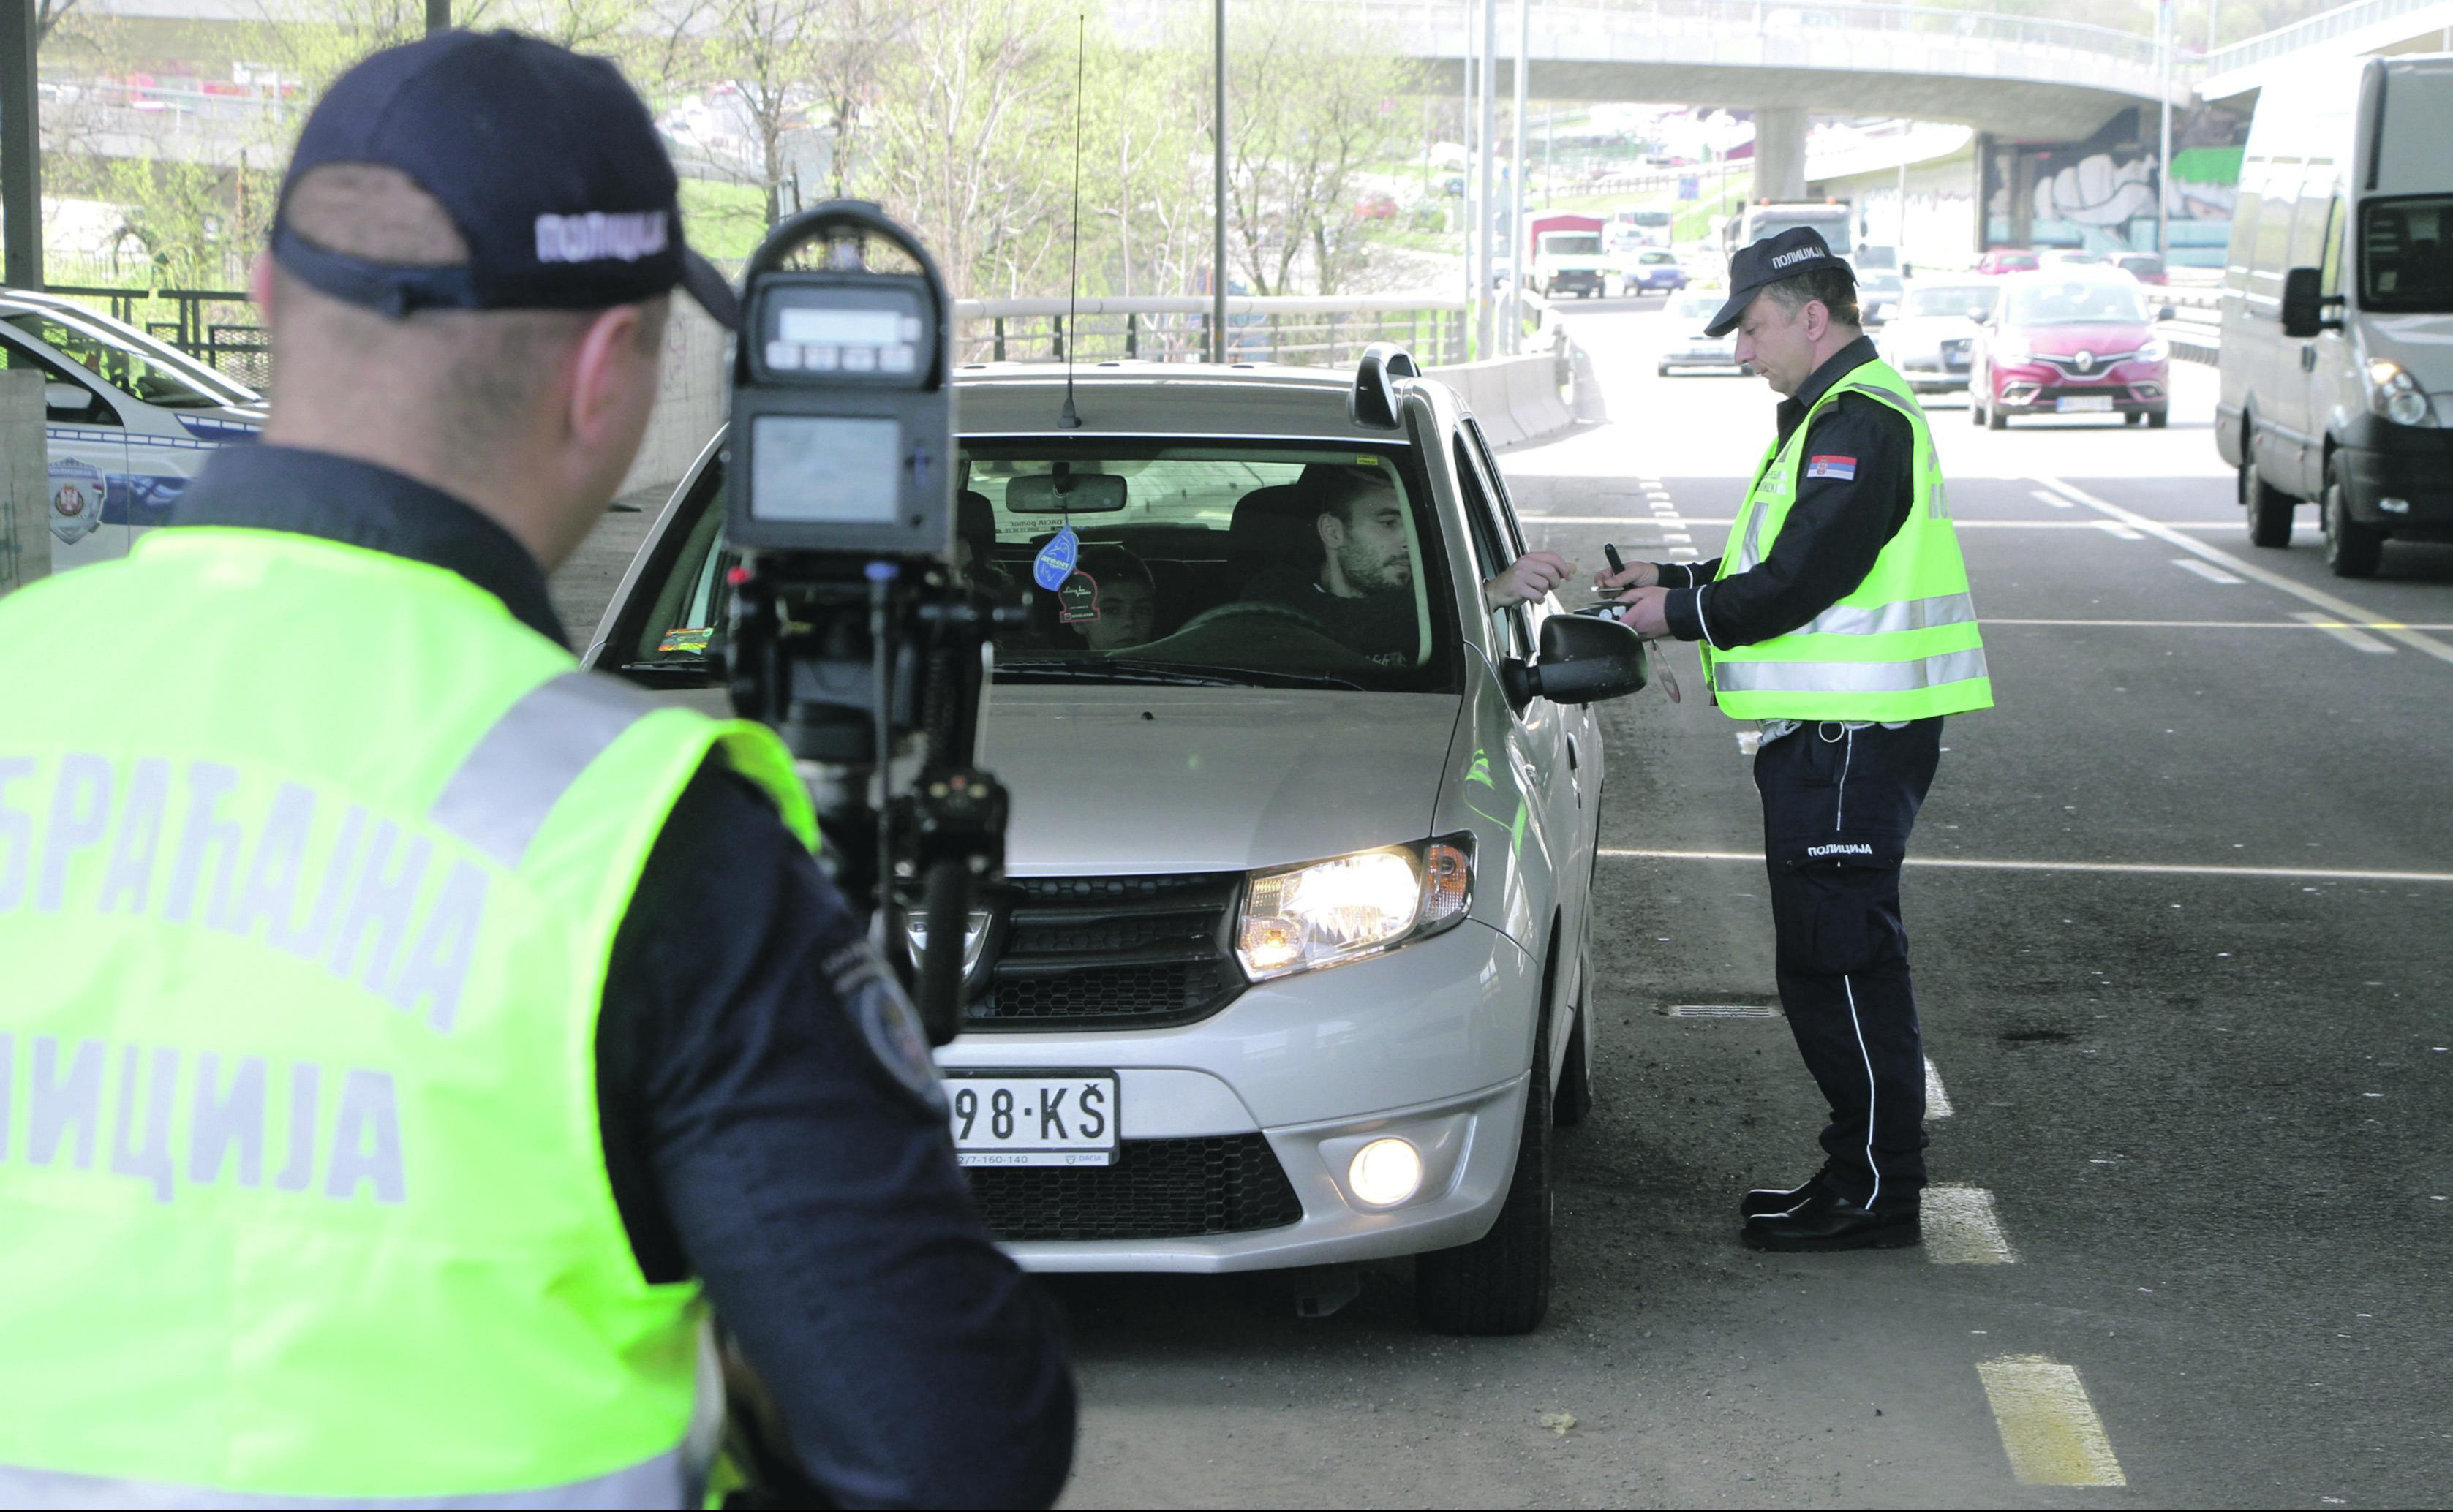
(1780, 152)
(21, 149)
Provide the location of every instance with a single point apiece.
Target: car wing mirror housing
(2304, 302)
(1584, 660)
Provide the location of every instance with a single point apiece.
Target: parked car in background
(1684, 346)
(2337, 358)
(1930, 339)
(2147, 268)
(2072, 257)
(2071, 341)
(1376, 208)
(2008, 260)
(129, 419)
(1651, 270)
(1296, 937)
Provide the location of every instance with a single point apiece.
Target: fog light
(2394, 505)
(1385, 1173)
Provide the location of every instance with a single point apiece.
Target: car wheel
(1975, 409)
(2269, 508)
(2134, 417)
(1994, 418)
(2158, 419)
(2352, 549)
(1500, 1283)
(1662, 370)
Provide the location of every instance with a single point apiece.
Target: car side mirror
(2304, 304)
(1584, 660)
(68, 397)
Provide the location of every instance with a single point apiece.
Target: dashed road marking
(2113, 867)
(2356, 640)
(2053, 499)
(2207, 570)
(2117, 531)
(1684, 550)
(2338, 607)
(1962, 1227)
(2049, 1430)
(1937, 1102)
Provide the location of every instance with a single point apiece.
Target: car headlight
(1346, 908)
(2156, 350)
(2396, 395)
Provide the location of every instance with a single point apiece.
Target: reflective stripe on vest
(1903, 644)
(304, 1185)
(662, 1481)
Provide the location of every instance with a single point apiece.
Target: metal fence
(1310, 331)
(2324, 27)
(217, 326)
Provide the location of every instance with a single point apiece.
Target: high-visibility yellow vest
(1903, 644)
(311, 860)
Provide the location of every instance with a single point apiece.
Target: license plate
(1034, 1120)
(1954, 360)
(2084, 405)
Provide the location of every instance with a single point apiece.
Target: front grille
(1954, 351)
(1178, 1188)
(2098, 363)
(1110, 952)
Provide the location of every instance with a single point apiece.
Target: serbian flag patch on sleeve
(1831, 468)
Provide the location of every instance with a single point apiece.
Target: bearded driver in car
(1361, 589)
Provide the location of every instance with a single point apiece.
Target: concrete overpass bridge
(2363, 27)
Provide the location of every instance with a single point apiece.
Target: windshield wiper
(1183, 674)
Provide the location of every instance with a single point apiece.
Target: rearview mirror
(1584, 660)
(1064, 493)
(2304, 304)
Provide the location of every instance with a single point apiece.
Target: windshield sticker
(1366, 462)
(1056, 560)
(1078, 600)
(689, 639)
(76, 499)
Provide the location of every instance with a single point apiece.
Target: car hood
(2060, 341)
(2421, 343)
(1137, 779)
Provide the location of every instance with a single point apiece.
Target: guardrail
(1317, 332)
(217, 326)
(2324, 27)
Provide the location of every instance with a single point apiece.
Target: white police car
(129, 420)
(1293, 967)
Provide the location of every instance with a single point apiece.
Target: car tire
(2133, 417)
(1662, 370)
(2269, 508)
(1995, 419)
(2352, 549)
(2158, 419)
(1500, 1283)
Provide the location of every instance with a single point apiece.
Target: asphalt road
(2201, 1097)
(2181, 925)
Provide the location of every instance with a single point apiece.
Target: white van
(2337, 308)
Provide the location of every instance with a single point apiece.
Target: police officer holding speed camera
(413, 1032)
(1839, 619)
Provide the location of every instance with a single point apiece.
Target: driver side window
(1511, 636)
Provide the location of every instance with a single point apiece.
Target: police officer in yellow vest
(405, 1036)
(1838, 618)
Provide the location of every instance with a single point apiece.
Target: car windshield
(1226, 564)
(131, 362)
(2095, 302)
(1699, 307)
(2404, 248)
(1573, 244)
(2015, 260)
(1952, 299)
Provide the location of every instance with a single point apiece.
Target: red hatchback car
(2072, 340)
(2008, 260)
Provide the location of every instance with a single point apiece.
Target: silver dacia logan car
(1292, 963)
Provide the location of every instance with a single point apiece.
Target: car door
(87, 447)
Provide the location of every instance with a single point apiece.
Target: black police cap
(547, 163)
(1783, 254)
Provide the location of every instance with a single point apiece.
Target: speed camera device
(842, 400)
(850, 630)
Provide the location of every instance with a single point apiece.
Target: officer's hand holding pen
(1646, 616)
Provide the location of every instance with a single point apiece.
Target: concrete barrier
(690, 400)
(1515, 398)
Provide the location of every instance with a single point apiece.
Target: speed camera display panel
(821, 469)
(844, 334)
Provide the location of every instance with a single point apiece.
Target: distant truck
(1831, 217)
(1567, 255)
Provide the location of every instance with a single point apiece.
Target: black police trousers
(1838, 806)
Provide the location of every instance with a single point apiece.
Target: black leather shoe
(1778, 1200)
(1826, 1221)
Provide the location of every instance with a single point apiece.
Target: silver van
(2337, 308)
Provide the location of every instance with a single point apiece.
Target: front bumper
(2133, 387)
(1427, 1042)
(1578, 280)
(2412, 464)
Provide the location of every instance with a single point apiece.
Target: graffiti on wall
(2100, 193)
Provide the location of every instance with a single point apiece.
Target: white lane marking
(1937, 1102)
(2049, 1430)
(2053, 499)
(2307, 620)
(2117, 531)
(2339, 608)
(2210, 527)
(1720, 1010)
(2113, 867)
(2356, 640)
(1959, 1225)
(2207, 570)
(1676, 535)
(1682, 550)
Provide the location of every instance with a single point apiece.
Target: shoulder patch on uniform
(1831, 467)
(888, 1023)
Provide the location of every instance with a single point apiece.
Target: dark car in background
(2008, 260)
(2144, 267)
(2076, 340)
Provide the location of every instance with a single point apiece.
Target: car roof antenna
(1071, 418)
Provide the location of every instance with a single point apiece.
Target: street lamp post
(438, 16)
(21, 153)
(1218, 183)
(1519, 263)
(2163, 19)
(1486, 327)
